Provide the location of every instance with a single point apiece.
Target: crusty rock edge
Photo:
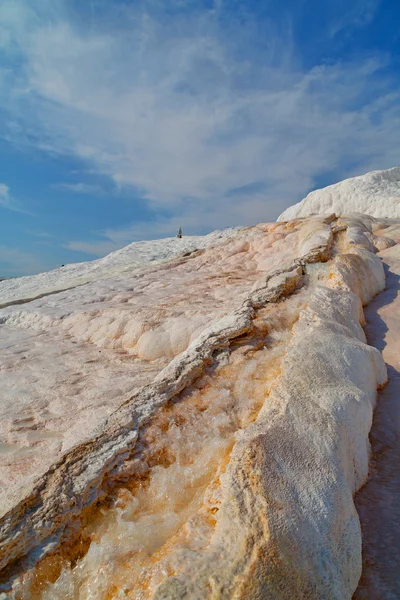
(34, 521)
(287, 527)
(79, 478)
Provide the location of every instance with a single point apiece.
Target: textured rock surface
(124, 261)
(376, 194)
(70, 359)
(213, 449)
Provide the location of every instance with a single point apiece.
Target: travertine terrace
(195, 429)
(376, 193)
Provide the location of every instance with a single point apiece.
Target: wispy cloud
(40, 234)
(4, 195)
(358, 14)
(182, 111)
(7, 201)
(79, 188)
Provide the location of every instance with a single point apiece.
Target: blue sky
(121, 120)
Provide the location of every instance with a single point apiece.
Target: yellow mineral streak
(169, 509)
(262, 449)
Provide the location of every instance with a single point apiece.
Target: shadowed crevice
(377, 502)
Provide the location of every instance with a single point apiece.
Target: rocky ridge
(287, 449)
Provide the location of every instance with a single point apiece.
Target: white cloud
(7, 201)
(358, 14)
(79, 188)
(184, 114)
(40, 234)
(4, 195)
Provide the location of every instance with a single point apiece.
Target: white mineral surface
(136, 256)
(70, 359)
(196, 427)
(376, 194)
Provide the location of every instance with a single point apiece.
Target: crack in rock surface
(214, 448)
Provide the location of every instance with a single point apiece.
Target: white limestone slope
(71, 358)
(132, 257)
(218, 465)
(376, 193)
